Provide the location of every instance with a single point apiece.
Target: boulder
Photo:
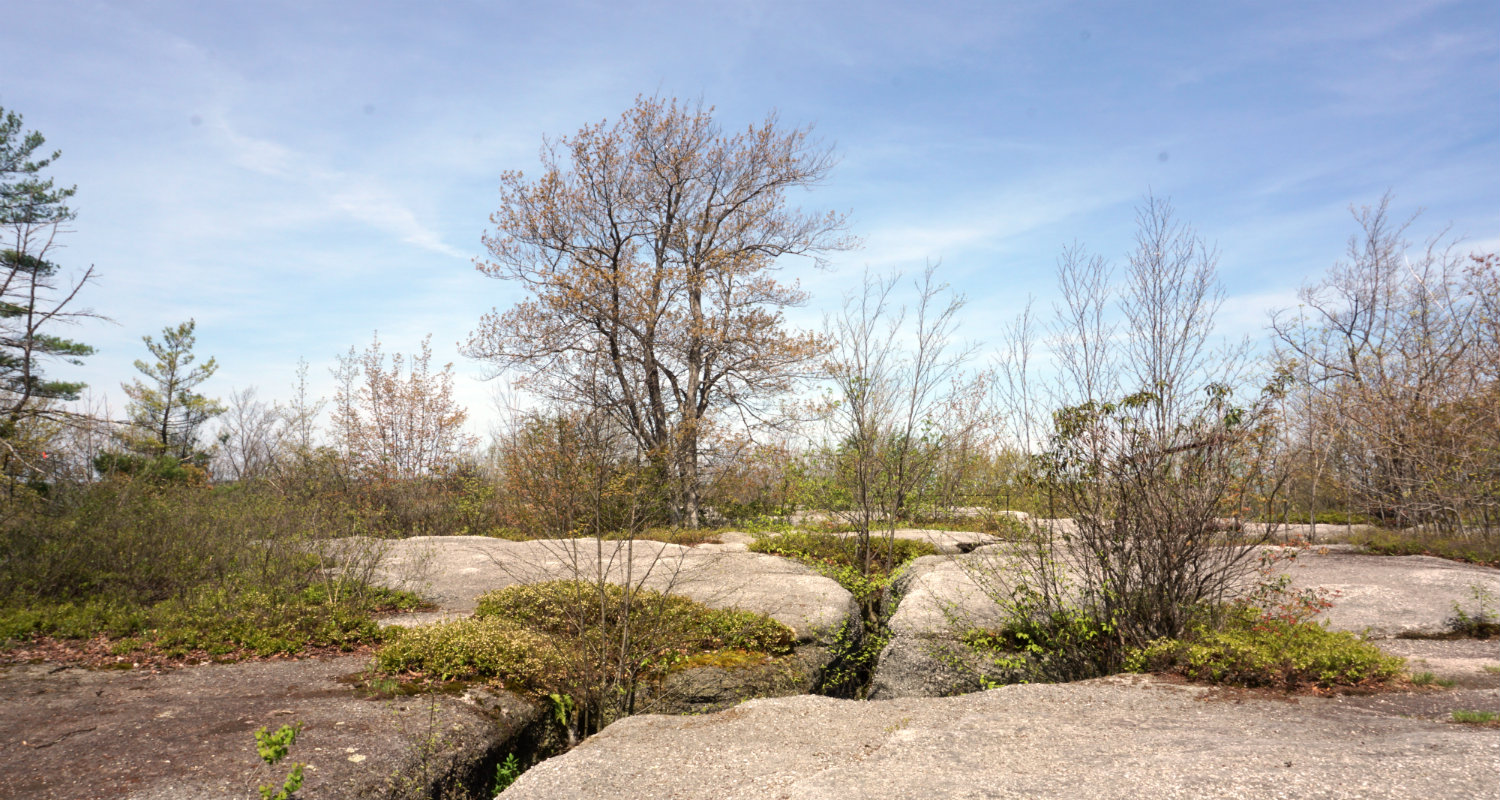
(1122, 737)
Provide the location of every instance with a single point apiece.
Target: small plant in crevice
(1485, 718)
(272, 748)
(506, 773)
(1483, 623)
(1430, 679)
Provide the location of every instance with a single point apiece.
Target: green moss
(838, 557)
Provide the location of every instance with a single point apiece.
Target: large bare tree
(647, 250)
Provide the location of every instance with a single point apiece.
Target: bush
(478, 647)
(573, 609)
(1255, 651)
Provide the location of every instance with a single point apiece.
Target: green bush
(563, 637)
(473, 648)
(576, 608)
(1252, 650)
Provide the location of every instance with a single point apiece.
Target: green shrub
(473, 648)
(575, 608)
(1252, 650)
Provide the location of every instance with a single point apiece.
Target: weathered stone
(188, 733)
(458, 569)
(1380, 597)
(1124, 737)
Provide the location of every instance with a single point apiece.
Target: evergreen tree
(34, 300)
(165, 411)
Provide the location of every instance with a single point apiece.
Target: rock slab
(188, 733)
(1121, 737)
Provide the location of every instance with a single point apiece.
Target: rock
(1123, 737)
(946, 542)
(1390, 596)
(188, 733)
(458, 569)
(1380, 597)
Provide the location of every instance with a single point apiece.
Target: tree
(1395, 355)
(1152, 442)
(647, 251)
(33, 298)
(898, 409)
(394, 425)
(166, 413)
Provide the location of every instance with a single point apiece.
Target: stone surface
(1123, 737)
(188, 733)
(946, 542)
(1381, 597)
(453, 571)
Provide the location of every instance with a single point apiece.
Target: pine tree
(165, 411)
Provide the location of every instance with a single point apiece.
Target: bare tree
(1153, 443)
(647, 251)
(1395, 352)
(251, 435)
(902, 404)
(398, 422)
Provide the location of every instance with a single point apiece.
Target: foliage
(548, 639)
(183, 568)
(1488, 718)
(506, 773)
(1254, 650)
(166, 411)
(839, 558)
(1396, 409)
(647, 253)
(1482, 622)
(1483, 551)
(273, 747)
(392, 426)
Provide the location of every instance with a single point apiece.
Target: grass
(1429, 679)
(1486, 718)
(1484, 551)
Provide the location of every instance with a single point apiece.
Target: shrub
(463, 649)
(838, 558)
(1252, 650)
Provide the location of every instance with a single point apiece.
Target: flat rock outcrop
(1381, 597)
(453, 571)
(188, 733)
(1121, 737)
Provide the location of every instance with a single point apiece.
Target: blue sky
(298, 175)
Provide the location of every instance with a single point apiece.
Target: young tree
(396, 425)
(1151, 444)
(647, 250)
(250, 437)
(166, 411)
(34, 300)
(898, 410)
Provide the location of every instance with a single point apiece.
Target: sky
(297, 176)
